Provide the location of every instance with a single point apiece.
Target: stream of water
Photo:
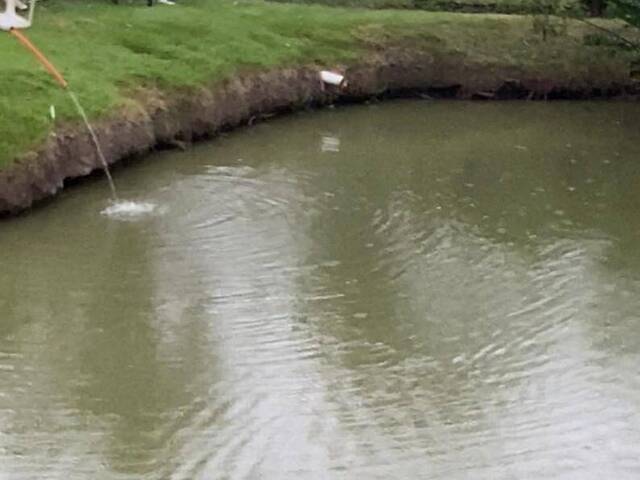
(428, 290)
(96, 143)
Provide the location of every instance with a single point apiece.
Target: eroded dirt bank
(160, 119)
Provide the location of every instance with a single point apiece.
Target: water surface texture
(413, 290)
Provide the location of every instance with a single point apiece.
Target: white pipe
(332, 78)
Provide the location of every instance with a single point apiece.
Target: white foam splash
(129, 210)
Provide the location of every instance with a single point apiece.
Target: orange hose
(40, 56)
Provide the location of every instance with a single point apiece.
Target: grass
(469, 6)
(105, 51)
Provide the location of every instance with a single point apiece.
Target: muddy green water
(412, 290)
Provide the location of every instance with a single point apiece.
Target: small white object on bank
(9, 19)
(52, 112)
(333, 78)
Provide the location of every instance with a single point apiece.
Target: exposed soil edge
(160, 119)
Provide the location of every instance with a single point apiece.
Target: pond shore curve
(160, 120)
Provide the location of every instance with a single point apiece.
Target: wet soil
(159, 119)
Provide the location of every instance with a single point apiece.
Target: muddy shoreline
(158, 119)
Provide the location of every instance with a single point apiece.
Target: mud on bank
(159, 119)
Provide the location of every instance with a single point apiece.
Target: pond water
(443, 290)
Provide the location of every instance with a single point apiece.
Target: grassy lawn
(107, 50)
(493, 6)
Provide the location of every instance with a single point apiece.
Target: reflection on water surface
(413, 290)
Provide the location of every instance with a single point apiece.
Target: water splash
(129, 210)
(96, 143)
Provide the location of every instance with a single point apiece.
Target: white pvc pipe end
(333, 78)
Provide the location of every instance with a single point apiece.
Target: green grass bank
(467, 6)
(110, 52)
